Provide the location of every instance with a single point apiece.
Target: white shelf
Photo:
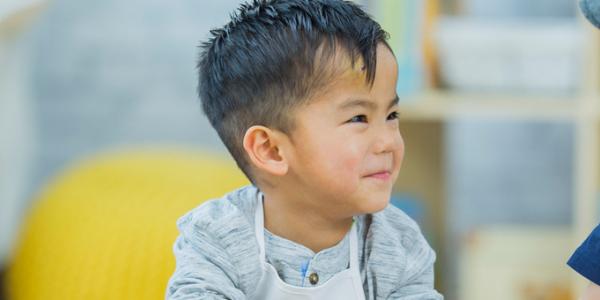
(443, 106)
(582, 110)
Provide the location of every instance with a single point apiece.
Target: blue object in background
(414, 207)
(410, 205)
(586, 258)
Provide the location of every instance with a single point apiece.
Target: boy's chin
(374, 205)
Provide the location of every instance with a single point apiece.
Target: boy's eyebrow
(366, 104)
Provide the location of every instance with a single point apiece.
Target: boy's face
(346, 145)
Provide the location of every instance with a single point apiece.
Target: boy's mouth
(381, 175)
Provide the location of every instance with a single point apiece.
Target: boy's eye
(394, 116)
(358, 119)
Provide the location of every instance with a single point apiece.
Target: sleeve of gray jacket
(203, 268)
(404, 257)
(419, 283)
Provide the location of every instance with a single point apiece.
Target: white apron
(345, 285)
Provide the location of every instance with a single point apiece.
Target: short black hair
(272, 56)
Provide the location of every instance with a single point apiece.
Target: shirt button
(313, 278)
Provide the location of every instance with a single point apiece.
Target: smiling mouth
(383, 175)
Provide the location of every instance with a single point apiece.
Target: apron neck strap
(259, 230)
(259, 225)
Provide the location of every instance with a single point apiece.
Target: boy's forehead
(343, 66)
(342, 77)
(349, 84)
(347, 79)
(342, 74)
(344, 71)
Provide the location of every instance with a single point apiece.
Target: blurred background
(500, 115)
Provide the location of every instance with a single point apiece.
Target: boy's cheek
(399, 155)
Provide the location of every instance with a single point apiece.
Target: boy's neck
(303, 224)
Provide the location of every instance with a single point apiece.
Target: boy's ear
(262, 146)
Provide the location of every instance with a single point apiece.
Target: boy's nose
(387, 140)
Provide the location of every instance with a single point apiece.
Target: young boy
(303, 94)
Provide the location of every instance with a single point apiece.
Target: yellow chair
(104, 229)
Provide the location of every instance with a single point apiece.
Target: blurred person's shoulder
(222, 218)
